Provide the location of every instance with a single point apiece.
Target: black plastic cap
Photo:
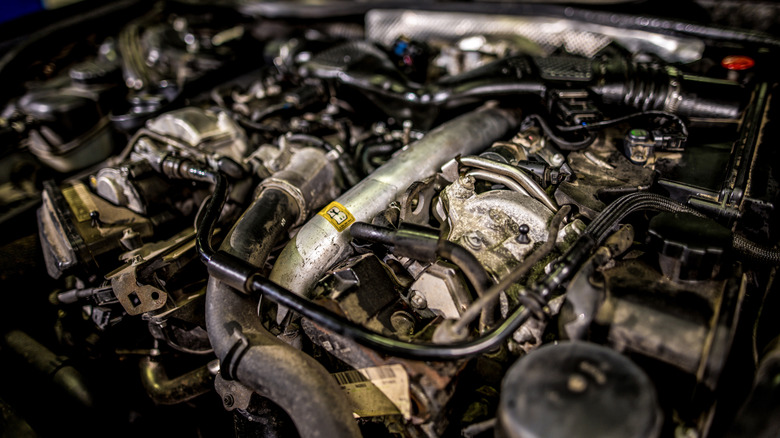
(577, 389)
(690, 247)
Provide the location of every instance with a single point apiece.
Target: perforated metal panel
(585, 39)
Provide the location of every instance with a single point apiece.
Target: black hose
(421, 245)
(211, 214)
(420, 351)
(473, 270)
(374, 151)
(755, 253)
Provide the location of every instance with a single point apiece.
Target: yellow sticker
(80, 201)
(337, 215)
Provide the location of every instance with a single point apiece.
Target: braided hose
(756, 253)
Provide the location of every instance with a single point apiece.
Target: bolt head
(418, 301)
(473, 240)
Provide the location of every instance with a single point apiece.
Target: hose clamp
(295, 193)
(674, 96)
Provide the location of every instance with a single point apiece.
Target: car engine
(330, 218)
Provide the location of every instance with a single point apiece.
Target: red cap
(737, 62)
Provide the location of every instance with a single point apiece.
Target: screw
(418, 300)
(228, 400)
(557, 159)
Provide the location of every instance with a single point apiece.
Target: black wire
(563, 144)
(612, 122)
(420, 351)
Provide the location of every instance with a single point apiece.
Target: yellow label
(80, 201)
(338, 216)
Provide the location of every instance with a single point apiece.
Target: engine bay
(390, 219)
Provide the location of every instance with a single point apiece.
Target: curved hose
(247, 351)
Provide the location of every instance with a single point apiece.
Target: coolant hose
(249, 353)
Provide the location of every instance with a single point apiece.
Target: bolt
(473, 240)
(228, 400)
(467, 181)
(557, 160)
(402, 322)
(418, 300)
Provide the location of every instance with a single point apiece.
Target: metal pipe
(324, 239)
(498, 179)
(165, 391)
(513, 172)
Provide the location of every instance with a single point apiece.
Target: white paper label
(377, 391)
